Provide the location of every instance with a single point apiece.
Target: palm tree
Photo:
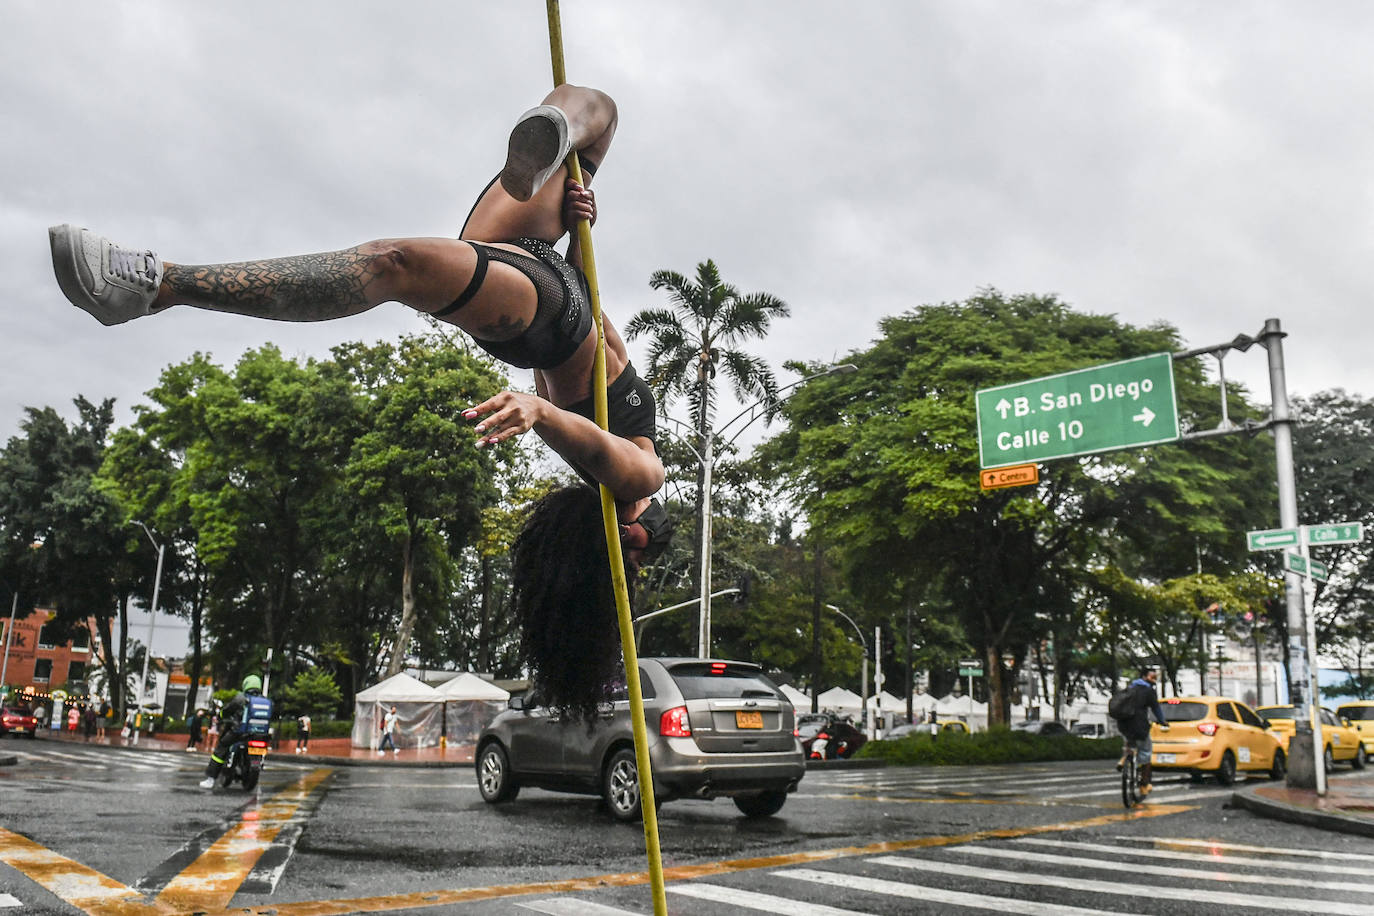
(700, 331)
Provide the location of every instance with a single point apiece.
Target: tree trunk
(398, 651)
(484, 640)
(107, 660)
(993, 665)
(119, 682)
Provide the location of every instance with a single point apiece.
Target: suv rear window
(718, 680)
(1179, 711)
(1356, 713)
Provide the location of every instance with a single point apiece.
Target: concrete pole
(704, 629)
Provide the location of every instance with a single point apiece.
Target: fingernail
(469, 414)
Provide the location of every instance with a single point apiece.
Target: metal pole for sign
(1314, 715)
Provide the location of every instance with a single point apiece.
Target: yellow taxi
(1340, 740)
(1216, 735)
(1361, 716)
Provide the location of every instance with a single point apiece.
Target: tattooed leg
(422, 273)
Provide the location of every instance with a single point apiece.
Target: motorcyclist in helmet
(231, 729)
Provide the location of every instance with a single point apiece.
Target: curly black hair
(564, 602)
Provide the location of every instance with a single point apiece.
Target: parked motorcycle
(246, 756)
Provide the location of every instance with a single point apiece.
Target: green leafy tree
(704, 329)
(885, 461)
(313, 692)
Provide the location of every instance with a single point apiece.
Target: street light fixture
(707, 458)
(863, 679)
(152, 614)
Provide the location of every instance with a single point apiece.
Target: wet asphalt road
(390, 839)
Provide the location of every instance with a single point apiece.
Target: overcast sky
(1206, 165)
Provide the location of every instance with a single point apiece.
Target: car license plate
(748, 719)
(257, 752)
(1166, 758)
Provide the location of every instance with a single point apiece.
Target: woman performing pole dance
(501, 282)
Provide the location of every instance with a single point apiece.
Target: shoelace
(134, 266)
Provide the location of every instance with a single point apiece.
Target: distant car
(1089, 730)
(18, 720)
(1341, 741)
(1215, 735)
(902, 731)
(1046, 728)
(828, 737)
(1361, 716)
(717, 728)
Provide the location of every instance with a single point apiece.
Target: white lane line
(1135, 892)
(939, 781)
(933, 894)
(1200, 858)
(6, 900)
(1166, 871)
(45, 755)
(753, 900)
(571, 906)
(1159, 790)
(1242, 847)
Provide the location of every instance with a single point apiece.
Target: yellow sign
(1015, 476)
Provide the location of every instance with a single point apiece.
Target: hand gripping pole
(611, 522)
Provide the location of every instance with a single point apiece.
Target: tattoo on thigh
(310, 287)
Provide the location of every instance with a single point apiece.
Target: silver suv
(715, 728)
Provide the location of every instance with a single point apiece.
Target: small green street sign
(970, 672)
(1273, 538)
(1340, 533)
(1098, 409)
(1295, 562)
(1318, 570)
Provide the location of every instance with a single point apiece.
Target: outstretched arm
(629, 468)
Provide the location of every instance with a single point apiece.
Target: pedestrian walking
(73, 717)
(389, 733)
(130, 732)
(88, 722)
(193, 731)
(100, 720)
(303, 733)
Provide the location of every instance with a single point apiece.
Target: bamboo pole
(611, 522)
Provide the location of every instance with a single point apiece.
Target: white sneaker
(395, 750)
(538, 145)
(208, 782)
(381, 751)
(113, 283)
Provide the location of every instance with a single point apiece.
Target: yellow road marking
(419, 899)
(84, 888)
(210, 882)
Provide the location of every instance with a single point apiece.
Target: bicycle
(1130, 778)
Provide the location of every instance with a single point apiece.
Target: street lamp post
(707, 458)
(152, 614)
(863, 679)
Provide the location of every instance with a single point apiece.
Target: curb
(1298, 814)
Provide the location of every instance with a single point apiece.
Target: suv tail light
(1207, 728)
(673, 723)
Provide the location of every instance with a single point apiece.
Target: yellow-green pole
(612, 522)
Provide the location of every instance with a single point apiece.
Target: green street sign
(970, 672)
(1295, 562)
(1273, 538)
(1341, 533)
(1317, 569)
(1099, 409)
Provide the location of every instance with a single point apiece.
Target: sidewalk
(1348, 806)
(332, 751)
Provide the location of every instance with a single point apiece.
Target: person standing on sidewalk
(303, 733)
(131, 726)
(193, 731)
(389, 733)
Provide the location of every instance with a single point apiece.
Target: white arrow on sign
(1282, 538)
(1003, 406)
(1145, 417)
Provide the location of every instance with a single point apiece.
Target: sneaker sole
(74, 276)
(537, 146)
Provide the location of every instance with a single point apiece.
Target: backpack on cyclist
(1124, 704)
(257, 715)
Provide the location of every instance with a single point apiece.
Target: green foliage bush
(997, 745)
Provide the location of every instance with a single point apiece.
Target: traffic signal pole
(1302, 649)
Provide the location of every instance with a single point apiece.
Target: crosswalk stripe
(1201, 858)
(1242, 847)
(1120, 888)
(8, 900)
(1160, 789)
(753, 900)
(1166, 871)
(572, 906)
(932, 894)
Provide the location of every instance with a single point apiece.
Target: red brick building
(37, 663)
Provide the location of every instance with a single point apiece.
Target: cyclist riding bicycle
(1131, 708)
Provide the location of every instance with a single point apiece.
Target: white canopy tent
(470, 704)
(841, 699)
(922, 702)
(800, 700)
(418, 706)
